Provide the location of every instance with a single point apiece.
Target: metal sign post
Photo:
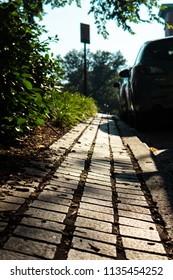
(85, 38)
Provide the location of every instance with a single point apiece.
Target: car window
(161, 51)
(139, 55)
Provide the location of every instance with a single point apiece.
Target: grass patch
(71, 108)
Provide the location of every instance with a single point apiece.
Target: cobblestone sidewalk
(84, 202)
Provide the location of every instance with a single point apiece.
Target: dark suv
(149, 90)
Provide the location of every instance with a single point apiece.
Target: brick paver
(91, 207)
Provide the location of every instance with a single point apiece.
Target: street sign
(85, 33)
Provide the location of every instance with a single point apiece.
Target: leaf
(38, 97)
(40, 146)
(39, 122)
(25, 75)
(40, 16)
(96, 249)
(37, 89)
(28, 30)
(10, 119)
(21, 121)
(46, 56)
(14, 13)
(27, 84)
(154, 150)
(18, 129)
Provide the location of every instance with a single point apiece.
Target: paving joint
(67, 236)
(119, 244)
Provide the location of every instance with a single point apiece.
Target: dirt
(30, 147)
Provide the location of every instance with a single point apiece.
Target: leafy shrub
(29, 76)
(26, 71)
(70, 108)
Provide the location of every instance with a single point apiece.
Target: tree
(124, 12)
(102, 71)
(72, 65)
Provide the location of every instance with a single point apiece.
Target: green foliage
(71, 108)
(26, 72)
(123, 12)
(102, 71)
(29, 75)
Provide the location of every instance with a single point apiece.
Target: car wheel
(124, 116)
(140, 122)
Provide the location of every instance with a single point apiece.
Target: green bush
(28, 79)
(26, 71)
(70, 108)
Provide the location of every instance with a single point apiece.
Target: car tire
(141, 122)
(124, 117)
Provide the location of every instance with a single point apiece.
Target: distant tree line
(102, 71)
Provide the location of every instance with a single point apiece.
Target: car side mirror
(124, 74)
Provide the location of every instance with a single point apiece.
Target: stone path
(84, 202)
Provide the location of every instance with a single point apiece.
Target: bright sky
(65, 22)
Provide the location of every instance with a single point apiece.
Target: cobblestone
(50, 206)
(96, 215)
(143, 245)
(143, 233)
(11, 255)
(85, 202)
(95, 201)
(138, 255)
(94, 224)
(95, 235)
(8, 206)
(98, 208)
(13, 199)
(38, 234)
(45, 215)
(94, 246)
(134, 215)
(31, 248)
(78, 255)
(136, 223)
(52, 196)
(43, 223)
